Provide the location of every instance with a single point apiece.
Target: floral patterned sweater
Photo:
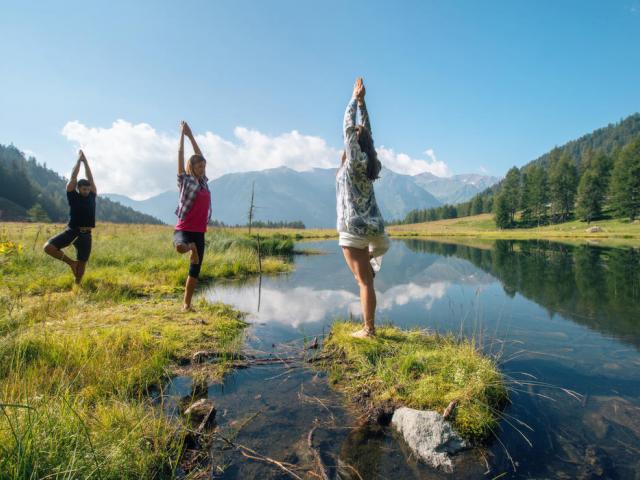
(358, 212)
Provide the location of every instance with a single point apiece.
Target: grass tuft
(418, 370)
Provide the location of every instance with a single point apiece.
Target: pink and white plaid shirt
(189, 186)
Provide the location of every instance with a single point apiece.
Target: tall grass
(77, 363)
(130, 260)
(419, 370)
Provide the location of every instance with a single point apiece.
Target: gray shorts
(80, 240)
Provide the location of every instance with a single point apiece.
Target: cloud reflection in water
(300, 305)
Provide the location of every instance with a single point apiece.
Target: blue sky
(484, 85)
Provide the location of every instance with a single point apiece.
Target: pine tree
(502, 211)
(538, 193)
(477, 205)
(511, 191)
(37, 214)
(525, 199)
(563, 182)
(590, 196)
(625, 182)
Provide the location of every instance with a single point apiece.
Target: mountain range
(283, 194)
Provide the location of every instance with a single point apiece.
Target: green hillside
(31, 191)
(593, 177)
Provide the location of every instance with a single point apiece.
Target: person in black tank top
(81, 195)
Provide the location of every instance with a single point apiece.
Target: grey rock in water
(198, 411)
(429, 436)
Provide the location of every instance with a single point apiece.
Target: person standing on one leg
(81, 195)
(194, 211)
(360, 223)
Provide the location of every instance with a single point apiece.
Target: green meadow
(79, 365)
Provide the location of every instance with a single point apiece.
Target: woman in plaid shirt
(194, 211)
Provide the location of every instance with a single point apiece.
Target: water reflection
(566, 316)
(594, 286)
(299, 305)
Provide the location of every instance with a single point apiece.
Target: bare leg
(80, 271)
(189, 288)
(191, 247)
(60, 255)
(358, 262)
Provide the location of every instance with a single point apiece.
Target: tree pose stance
(81, 195)
(360, 224)
(194, 211)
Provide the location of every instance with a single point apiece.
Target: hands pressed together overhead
(359, 90)
(185, 129)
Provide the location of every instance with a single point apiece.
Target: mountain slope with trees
(588, 178)
(31, 191)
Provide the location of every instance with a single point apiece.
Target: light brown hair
(193, 161)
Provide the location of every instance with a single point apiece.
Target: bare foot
(364, 333)
(195, 259)
(188, 308)
(74, 268)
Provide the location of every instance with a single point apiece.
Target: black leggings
(182, 236)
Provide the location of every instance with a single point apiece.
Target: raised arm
(189, 134)
(349, 125)
(88, 173)
(181, 150)
(71, 186)
(351, 146)
(364, 115)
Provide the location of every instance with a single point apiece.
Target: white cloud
(138, 161)
(30, 153)
(133, 160)
(403, 163)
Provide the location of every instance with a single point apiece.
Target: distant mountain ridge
(455, 189)
(283, 194)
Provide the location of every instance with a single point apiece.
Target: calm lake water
(558, 317)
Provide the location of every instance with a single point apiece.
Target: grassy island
(418, 370)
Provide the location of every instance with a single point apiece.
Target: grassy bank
(614, 231)
(418, 370)
(130, 260)
(482, 227)
(77, 364)
(295, 233)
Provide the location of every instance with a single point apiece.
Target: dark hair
(83, 182)
(366, 145)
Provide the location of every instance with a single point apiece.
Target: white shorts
(377, 245)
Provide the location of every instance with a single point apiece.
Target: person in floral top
(360, 224)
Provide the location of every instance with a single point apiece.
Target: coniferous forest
(593, 177)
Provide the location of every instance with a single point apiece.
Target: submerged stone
(200, 410)
(429, 436)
